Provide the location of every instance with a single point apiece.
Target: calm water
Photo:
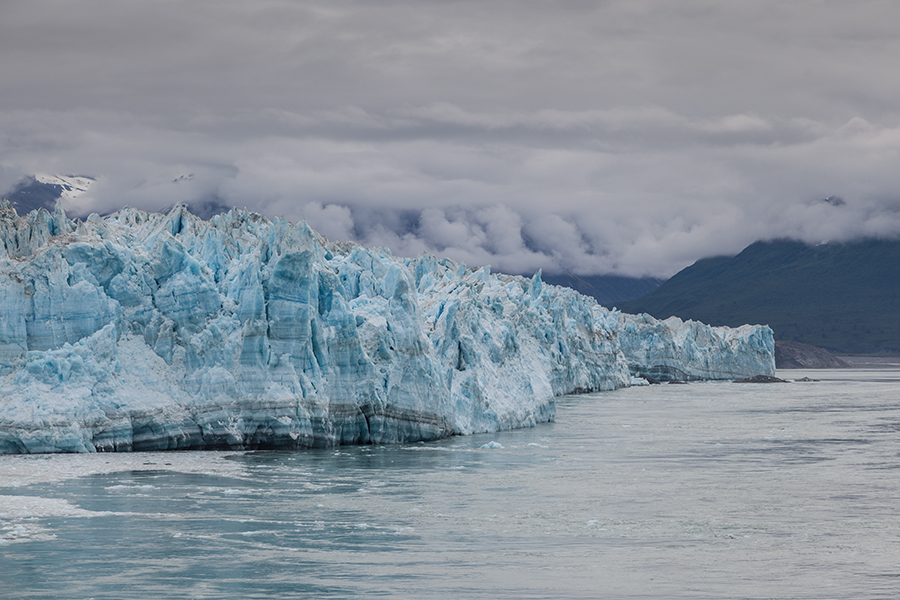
(712, 490)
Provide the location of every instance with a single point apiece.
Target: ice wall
(676, 350)
(148, 332)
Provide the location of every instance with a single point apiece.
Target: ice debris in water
(142, 331)
(492, 445)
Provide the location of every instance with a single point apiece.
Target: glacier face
(150, 332)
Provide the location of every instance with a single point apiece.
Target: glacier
(149, 331)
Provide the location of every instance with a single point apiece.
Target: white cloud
(333, 221)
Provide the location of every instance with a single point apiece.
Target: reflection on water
(712, 490)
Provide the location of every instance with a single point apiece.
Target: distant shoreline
(871, 362)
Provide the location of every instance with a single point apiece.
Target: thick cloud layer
(620, 137)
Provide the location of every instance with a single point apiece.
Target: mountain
(608, 290)
(844, 297)
(42, 191)
(143, 331)
(794, 355)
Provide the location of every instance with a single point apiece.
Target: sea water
(706, 490)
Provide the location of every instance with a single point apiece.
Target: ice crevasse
(147, 331)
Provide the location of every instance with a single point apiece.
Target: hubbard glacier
(148, 331)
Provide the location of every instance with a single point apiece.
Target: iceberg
(147, 331)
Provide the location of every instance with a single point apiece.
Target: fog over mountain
(626, 137)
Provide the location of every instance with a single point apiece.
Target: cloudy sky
(628, 137)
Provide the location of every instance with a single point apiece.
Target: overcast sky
(628, 137)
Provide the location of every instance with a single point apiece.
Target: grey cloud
(626, 136)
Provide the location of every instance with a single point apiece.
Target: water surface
(711, 490)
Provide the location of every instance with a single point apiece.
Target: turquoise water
(711, 490)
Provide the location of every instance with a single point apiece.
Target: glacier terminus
(147, 331)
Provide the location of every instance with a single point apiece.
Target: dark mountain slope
(30, 194)
(608, 290)
(843, 297)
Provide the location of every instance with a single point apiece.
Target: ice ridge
(143, 331)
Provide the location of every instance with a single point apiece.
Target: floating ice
(492, 445)
(144, 331)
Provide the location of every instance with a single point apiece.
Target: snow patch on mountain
(71, 186)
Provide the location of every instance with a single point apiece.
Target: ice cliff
(144, 331)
